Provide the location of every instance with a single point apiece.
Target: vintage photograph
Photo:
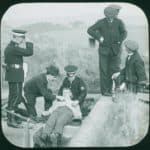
(74, 75)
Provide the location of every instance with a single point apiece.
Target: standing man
(110, 33)
(14, 53)
(37, 87)
(75, 84)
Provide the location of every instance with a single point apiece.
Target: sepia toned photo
(74, 75)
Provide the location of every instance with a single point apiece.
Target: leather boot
(12, 122)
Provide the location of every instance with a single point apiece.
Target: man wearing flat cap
(14, 53)
(110, 32)
(75, 84)
(37, 87)
(133, 76)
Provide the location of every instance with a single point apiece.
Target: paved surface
(19, 137)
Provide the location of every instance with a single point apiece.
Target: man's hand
(45, 113)
(61, 98)
(75, 103)
(115, 75)
(101, 40)
(22, 44)
(122, 87)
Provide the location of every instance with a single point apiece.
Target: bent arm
(94, 30)
(28, 51)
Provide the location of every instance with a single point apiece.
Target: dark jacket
(114, 33)
(134, 71)
(14, 55)
(37, 86)
(77, 87)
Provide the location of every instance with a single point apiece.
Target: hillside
(67, 44)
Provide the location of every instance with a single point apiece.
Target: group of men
(110, 32)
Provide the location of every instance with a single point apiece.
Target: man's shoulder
(100, 21)
(138, 57)
(9, 45)
(118, 20)
(65, 80)
(79, 79)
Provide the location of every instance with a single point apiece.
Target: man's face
(19, 39)
(128, 50)
(51, 78)
(71, 76)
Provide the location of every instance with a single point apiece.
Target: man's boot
(12, 122)
(55, 139)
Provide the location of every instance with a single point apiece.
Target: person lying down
(65, 100)
(62, 112)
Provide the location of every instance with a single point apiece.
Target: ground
(122, 129)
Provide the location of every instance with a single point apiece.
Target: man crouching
(62, 112)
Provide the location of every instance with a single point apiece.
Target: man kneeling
(63, 111)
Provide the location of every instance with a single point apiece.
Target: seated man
(133, 76)
(75, 84)
(62, 112)
(36, 87)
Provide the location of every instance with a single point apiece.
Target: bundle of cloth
(65, 100)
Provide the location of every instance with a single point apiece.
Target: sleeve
(47, 93)
(140, 71)
(28, 51)
(83, 92)
(94, 30)
(123, 31)
(60, 91)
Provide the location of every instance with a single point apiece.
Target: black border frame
(144, 5)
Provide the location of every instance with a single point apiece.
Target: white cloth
(67, 102)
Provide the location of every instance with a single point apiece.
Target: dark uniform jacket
(77, 87)
(114, 33)
(37, 86)
(14, 55)
(134, 71)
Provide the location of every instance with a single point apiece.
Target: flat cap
(109, 11)
(18, 32)
(132, 45)
(117, 7)
(70, 68)
(52, 70)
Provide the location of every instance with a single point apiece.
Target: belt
(15, 66)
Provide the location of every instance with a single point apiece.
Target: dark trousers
(108, 64)
(15, 95)
(31, 101)
(56, 122)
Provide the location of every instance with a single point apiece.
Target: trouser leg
(12, 95)
(37, 139)
(31, 101)
(113, 66)
(12, 104)
(47, 104)
(11, 99)
(51, 122)
(64, 117)
(104, 78)
(19, 94)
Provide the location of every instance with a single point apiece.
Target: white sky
(28, 13)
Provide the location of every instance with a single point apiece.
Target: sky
(64, 13)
